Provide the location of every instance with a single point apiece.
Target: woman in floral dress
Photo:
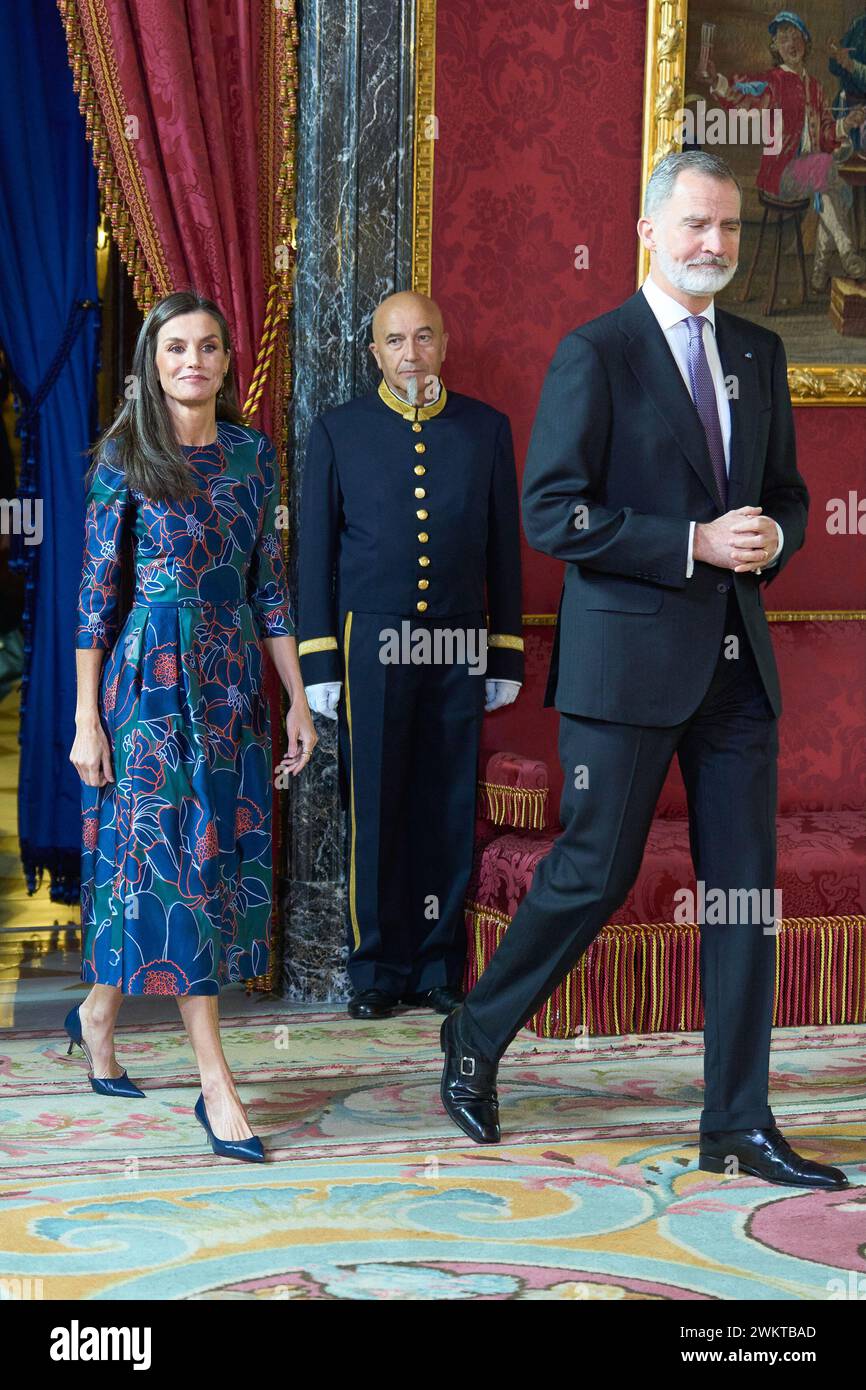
(172, 724)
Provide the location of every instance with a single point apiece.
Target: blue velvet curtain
(49, 327)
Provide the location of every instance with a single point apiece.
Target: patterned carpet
(370, 1193)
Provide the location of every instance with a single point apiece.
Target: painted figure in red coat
(814, 141)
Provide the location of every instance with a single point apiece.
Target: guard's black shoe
(442, 998)
(765, 1153)
(372, 1003)
(468, 1088)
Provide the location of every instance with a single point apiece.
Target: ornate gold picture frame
(675, 29)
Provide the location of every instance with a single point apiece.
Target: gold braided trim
(317, 644)
(612, 929)
(779, 615)
(276, 314)
(523, 807)
(504, 639)
(424, 144)
(849, 615)
(412, 412)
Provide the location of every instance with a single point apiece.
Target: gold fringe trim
(112, 196)
(523, 807)
(816, 951)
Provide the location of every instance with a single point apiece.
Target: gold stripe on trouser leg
(353, 912)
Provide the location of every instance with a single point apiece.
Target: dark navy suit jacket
(617, 433)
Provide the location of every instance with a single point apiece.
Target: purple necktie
(704, 396)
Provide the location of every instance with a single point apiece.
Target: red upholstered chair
(642, 972)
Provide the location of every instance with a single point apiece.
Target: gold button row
(422, 514)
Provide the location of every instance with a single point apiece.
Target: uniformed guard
(409, 514)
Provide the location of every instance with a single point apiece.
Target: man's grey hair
(660, 185)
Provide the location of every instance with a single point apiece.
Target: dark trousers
(727, 752)
(408, 762)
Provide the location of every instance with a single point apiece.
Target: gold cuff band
(317, 644)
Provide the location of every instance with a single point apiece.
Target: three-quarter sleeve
(107, 505)
(268, 588)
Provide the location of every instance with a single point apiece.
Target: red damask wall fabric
(538, 152)
(822, 750)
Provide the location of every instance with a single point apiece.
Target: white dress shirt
(671, 316)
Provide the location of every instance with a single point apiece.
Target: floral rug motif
(370, 1193)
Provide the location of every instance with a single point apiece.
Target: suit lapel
(656, 369)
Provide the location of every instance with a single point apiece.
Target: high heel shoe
(102, 1085)
(248, 1149)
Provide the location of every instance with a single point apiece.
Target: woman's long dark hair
(147, 451)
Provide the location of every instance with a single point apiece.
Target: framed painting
(781, 96)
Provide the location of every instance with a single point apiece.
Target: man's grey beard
(695, 279)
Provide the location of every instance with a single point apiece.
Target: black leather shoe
(765, 1153)
(442, 998)
(372, 1003)
(468, 1088)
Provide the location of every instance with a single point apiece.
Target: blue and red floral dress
(176, 852)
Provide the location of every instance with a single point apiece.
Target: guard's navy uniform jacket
(409, 523)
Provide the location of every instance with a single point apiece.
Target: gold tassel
(520, 807)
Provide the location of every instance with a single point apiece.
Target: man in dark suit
(662, 470)
(409, 588)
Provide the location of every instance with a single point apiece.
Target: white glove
(324, 698)
(499, 693)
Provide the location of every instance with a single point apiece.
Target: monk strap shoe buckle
(467, 1066)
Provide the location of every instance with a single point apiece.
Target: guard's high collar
(412, 412)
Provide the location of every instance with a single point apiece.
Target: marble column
(354, 228)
